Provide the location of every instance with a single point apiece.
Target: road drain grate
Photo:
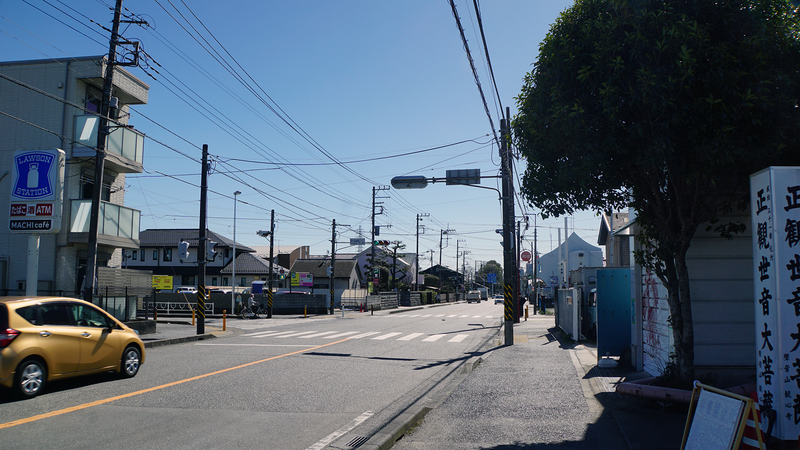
(356, 441)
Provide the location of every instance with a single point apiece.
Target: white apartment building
(48, 104)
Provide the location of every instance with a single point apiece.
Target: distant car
(498, 298)
(48, 338)
(218, 291)
(474, 296)
(186, 290)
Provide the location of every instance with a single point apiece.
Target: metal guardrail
(177, 307)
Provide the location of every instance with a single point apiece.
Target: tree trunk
(675, 276)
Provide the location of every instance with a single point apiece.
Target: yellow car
(50, 338)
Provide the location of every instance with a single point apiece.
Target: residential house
(252, 267)
(52, 104)
(345, 275)
(158, 252)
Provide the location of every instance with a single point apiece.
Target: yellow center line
(154, 388)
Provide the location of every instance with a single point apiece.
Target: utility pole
(202, 246)
(271, 257)
(517, 301)
(99, 165)
(508, 221)
(416, 254)
(535, 264)
(374, 229)
(333, 259)
(441, 234)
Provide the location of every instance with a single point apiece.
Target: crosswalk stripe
(294, 335)
(410, 336)
(386, 336)
(341, 335)
(465, 316)
(458, 338)
(413, 315)
(427, 315)
(433, 338)
(476, 317)
(452, 315)
(439, 315)
(268, 333)
(318, 334)
(367, 334)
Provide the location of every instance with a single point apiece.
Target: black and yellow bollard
(224, 319)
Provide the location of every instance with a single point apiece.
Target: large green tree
(664, 106)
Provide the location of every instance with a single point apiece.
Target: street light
(233, 277)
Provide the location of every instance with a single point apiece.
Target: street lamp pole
(233, 277)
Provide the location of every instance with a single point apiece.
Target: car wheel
(131, 359)
(31, 376)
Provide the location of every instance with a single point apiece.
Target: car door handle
(44, 333)
(85, 334)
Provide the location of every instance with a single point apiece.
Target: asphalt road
(274, 384)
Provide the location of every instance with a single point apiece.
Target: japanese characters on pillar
(775, 221)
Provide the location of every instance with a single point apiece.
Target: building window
(167, 254)
(224, 281)
(133, 255)
(243, 281)
(155, 255)
(87, 186)
(213, 281)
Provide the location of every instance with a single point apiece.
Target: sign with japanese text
(163, 282)
(775, 221)
(302, 279)
(37, 190)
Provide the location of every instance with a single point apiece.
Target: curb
(386, 439)
(180, 340)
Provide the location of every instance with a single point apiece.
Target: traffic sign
(525, 255)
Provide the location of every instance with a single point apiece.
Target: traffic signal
(183, 250)
(380, 243)
(210, 252)
(329, 270)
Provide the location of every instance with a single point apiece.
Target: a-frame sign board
(717, 420)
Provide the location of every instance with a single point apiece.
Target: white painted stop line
(458, 338)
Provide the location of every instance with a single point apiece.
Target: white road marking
(367, 334)
(386, 336)
(318, 334)
(433, 338)
(269, 333)
(341, 431)
(410, 336)
(458, 338)
(294, 335)
(341, 335)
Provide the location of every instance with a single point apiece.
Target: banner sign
(775, 221)
(37, 190)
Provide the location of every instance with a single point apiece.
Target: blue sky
(370, 90)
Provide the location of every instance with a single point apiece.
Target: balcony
(124, 148)
(118, 227)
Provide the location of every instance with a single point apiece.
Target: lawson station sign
(37, 191)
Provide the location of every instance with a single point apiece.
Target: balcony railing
(115, 220)
(122, 141)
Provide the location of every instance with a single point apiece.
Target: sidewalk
(542, 394)
(178, 331)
